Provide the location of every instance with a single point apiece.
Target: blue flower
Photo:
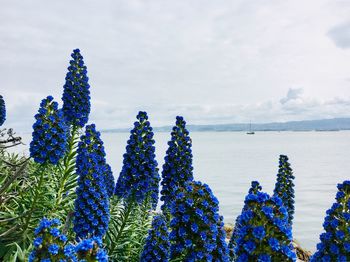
(91, 215)
(284, 187)
(91, 250)
(2, 110)
(76, 94)
(50, 244)
(200, 235)
(177, 169)
(139, 178)
(157, 246)
(334, 245)
(259, 232)
(53, 249)
(50, 133)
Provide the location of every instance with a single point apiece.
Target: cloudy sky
(224, 61)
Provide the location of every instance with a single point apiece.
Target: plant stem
(37, 191)
(68, 162)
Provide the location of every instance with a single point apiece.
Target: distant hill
(334, 124)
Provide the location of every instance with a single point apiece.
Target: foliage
(91, 213)
(50, 133)
(2, 110)
(284, 187)
(264, 232)
(76, 94)
(254, 189)
(139, 177)
(196, 224)
(335, 241)
(177, 169)
(157, 246)
(127, 230)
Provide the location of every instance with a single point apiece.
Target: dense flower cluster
(196, 226)
(254, 189)
(335, 241)
(49, 244)
(264, 233)
(91, 250)
(109, 180)
(139, 178)
(177, 169)
(2, 110)
(284, 187)
(157, 246)
(91, 214)
(50, 133)
(76, 94)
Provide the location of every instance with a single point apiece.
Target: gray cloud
(223, 61)
(340, 34)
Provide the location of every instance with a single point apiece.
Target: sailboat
(250, 129)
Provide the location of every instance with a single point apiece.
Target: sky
(225, 61)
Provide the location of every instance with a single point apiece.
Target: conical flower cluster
(2, 110)
(91, 214)
(139, 178)
(254, 189)
(264, 233)
(49, 244)
(76, 94)
(335, 241)
(177, 169)
(196, 226)
(284, 187)
(50, 133)
(157, 246)
(109, 180)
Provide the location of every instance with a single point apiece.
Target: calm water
(229, 161)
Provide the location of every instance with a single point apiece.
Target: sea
(229, 161)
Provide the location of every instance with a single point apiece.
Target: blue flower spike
(76, 93)
(335, 241)
(2, 110)
(50, 133)
(157, 247)
(264, 233)
(139, 179)
(50, 244)
(91, 214)
(177, 169)
(196, 226)
(284, 187)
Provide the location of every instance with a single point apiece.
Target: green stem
(68, 162)
(36, 196)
